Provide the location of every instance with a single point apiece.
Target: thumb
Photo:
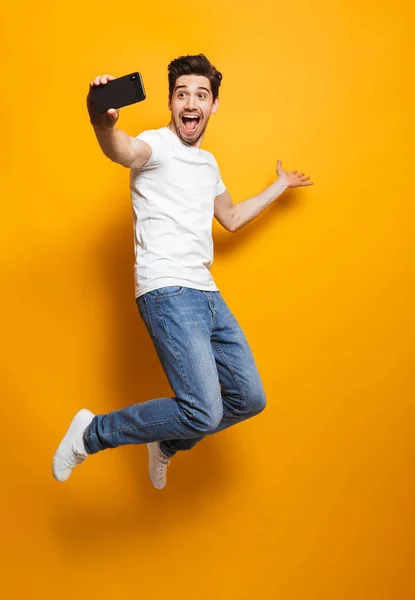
(112, 113)
(279, 165)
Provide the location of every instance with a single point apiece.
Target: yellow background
(314, 498)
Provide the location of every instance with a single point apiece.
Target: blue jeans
(210, 368)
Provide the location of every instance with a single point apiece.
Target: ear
(169, 103)
(215, 105)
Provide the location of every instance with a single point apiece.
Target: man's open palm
(292, 178)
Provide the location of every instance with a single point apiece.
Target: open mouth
(190, 122)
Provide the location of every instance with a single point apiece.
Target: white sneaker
(71, 451)
(157, 465)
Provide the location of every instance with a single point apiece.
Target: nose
(191, 102)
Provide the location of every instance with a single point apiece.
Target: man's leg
(179, 321)
(242, 390)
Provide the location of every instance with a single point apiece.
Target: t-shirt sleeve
(220, 186)
(154, 140)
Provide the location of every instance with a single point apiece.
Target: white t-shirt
(173, 197)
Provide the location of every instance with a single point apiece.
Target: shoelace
(165, 460)
(78, 456)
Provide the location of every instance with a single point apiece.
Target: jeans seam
(177, 357)
(229, 412)
(235, 377)
(136, 427)
(149, 318)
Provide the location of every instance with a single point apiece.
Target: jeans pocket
(167, 291)
(145, 314)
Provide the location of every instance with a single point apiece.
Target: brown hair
(196, 64)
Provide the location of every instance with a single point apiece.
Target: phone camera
(133, 77)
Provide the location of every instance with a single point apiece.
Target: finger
(104, 78)
(300, 174)
(295, 171)
(305, 178)
(307, 183)
(97, 80)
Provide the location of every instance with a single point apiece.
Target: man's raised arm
(115, 143)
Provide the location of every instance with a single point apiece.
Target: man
(176, 189)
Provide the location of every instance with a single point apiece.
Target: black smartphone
(118, 92)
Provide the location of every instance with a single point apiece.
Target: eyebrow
(199, 88)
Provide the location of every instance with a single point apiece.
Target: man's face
(191, 97)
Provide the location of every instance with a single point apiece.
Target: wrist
(281, 185)
(103, 128)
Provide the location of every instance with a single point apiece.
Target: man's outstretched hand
(291, 178)
(105, 120)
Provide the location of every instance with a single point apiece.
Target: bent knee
(256, 403)
(205, 423)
